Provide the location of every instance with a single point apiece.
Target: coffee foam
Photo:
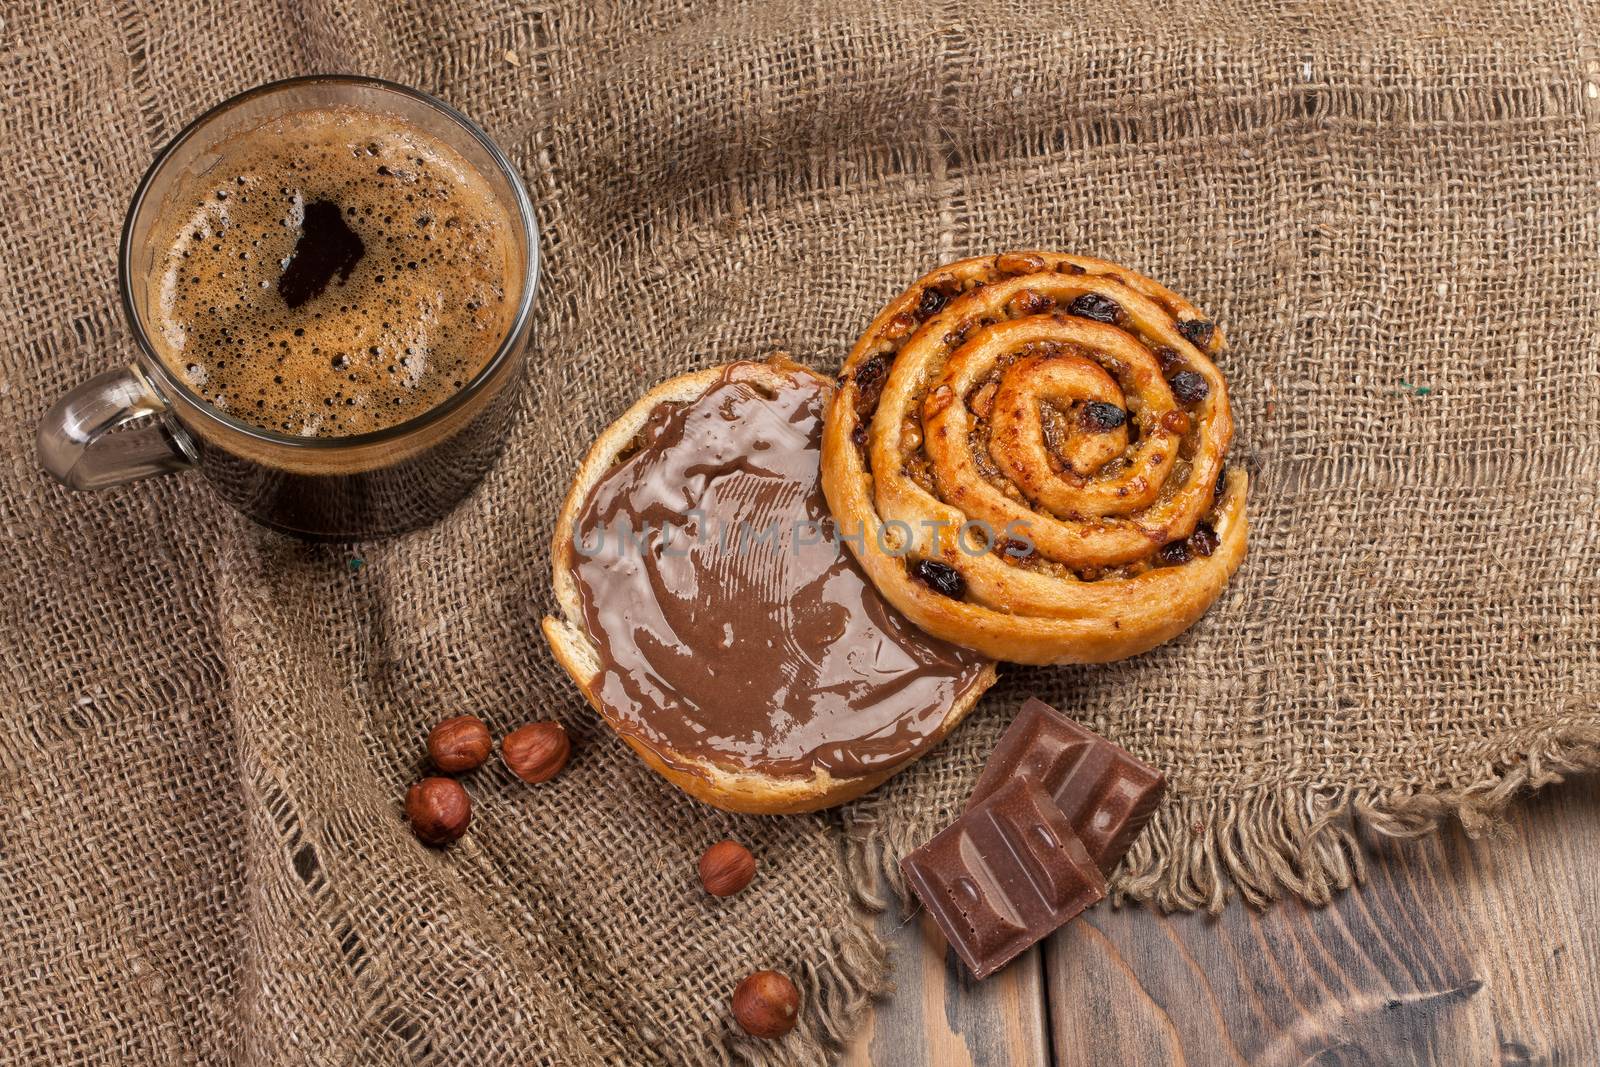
(419, 314)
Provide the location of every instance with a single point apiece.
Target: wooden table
(1454, 952)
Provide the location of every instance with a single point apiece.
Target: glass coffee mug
(370, 484)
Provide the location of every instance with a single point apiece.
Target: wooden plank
(1454, 953)
(939, 1015)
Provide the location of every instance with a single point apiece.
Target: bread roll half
(742, 783)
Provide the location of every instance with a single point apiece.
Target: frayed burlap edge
(1265, 842)
(836, 992)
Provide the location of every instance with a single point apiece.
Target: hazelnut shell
(726, 867)
(439, 810)
(536, 752)
(459, 744)
(766, 1005)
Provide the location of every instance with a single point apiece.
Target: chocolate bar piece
(1007, 873)
(1106, 792)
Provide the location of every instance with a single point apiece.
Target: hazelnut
(766, 1004)
(439, 810)
(536, 752)
(459, 744)
(726, 867)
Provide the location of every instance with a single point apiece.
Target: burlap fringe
(1270, 841)
(837, 990)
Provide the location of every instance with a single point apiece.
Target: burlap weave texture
(207, 729)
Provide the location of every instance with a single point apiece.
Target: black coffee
(336, 272)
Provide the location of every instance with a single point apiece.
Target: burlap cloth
(208, 728)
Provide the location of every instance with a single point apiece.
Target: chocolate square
(1106, 793)
(1008, 872)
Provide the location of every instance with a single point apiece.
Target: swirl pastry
(1026, 453)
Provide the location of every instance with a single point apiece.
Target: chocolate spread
(732, 626)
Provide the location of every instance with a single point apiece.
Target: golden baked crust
(940, 420)
(729, 788)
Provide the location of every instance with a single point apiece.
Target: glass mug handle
(77, 447)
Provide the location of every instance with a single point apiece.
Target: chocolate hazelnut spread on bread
(731, 625)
